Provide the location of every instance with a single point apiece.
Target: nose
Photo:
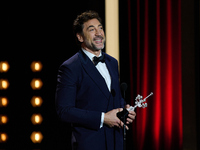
(98, 32)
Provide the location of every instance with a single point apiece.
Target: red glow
(142, 114)
(138, 46)
(158, 80)
(160, 124)
(138, 123)
(169, 88)
(145, 71)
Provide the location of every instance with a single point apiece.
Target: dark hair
(82, 18)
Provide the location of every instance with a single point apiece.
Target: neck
(95, 52)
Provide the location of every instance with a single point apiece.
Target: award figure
(139, 102)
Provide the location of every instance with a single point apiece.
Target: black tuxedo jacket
(82, 95)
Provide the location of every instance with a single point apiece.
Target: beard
(91, 45)
(95, 48)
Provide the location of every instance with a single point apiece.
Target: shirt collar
(90, 55)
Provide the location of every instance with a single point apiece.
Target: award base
(123, 115)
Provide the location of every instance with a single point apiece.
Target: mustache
(98, 37)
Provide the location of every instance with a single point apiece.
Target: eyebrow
(93, 26)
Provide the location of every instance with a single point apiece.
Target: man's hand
(111, 119)
(131, 115)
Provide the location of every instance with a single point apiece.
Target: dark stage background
(42, 31)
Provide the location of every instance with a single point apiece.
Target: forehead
(92, 22)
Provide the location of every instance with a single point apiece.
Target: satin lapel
(111, 71)
(91, 70)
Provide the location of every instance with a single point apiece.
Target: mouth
(98, 40)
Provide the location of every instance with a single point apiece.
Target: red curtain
(159, 126)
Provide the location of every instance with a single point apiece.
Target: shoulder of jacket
(72, 61)
(110, 58)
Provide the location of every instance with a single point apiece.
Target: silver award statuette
(139, 102)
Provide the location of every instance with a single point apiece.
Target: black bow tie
(96, 60)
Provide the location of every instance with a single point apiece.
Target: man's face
(93, 36)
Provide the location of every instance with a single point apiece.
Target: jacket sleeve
(65, 100)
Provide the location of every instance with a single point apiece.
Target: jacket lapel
(91, 70)
(112, 71)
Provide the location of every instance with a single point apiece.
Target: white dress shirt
(103, 70)
(101, 67)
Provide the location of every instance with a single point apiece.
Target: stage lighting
(36, 66)
(36, 137)
(4, 66)
(36, 84)
(3, 119)
(4, 84)
(36, 101)
(3, 101)
(3, 137)
(36, 119)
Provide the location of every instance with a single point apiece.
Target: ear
(80, 37)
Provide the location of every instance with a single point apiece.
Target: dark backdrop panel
(38, 31)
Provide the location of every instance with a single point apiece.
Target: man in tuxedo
(88, 92)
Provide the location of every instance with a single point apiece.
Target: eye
(91, 29)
